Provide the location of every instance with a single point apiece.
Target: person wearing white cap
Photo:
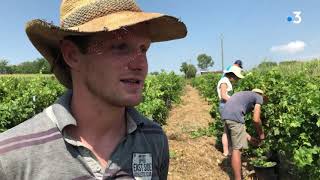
(237, 63)
(240, 104)
(224, 89)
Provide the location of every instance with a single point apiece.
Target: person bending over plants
(233, 113)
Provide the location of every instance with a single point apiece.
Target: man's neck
(95, 118)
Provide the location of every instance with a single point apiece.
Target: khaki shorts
(237, 135)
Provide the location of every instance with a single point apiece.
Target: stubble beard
(110, 99)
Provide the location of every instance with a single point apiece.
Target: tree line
(39, 65)
(190, 70)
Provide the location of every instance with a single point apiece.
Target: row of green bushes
(291, 118)
(160, 91)
(21, 97)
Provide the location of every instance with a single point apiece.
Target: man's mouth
(131, 81)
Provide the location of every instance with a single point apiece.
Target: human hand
(254, 141)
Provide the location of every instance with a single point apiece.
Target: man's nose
(138, 61)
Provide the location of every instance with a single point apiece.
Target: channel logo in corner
(296, 18)
(142, 166)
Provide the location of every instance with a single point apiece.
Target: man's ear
(71, 54)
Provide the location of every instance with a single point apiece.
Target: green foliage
(204, 61)
(3, 66)
(189, 70)
(206, 84)
(160, 91)
(154, 73)
(267, 64)
(21, 97)
(203, 132)
(291, 118)
(39, 65)
(262, 162)
(173, 155)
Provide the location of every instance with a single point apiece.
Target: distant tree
(3, 66)
(39, 65)
(204, 61)
(267, 64)
(192, 71)
(42, 66)
(12, 69)
(288, 63)
(154, 73)
(28, 67)
(189, 70)
(184, 67)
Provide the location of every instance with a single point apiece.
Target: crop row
(21, 97)
(291, 117)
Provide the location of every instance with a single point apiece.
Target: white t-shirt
(224, 80)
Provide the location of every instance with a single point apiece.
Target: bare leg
(225, 144)
(236, 163)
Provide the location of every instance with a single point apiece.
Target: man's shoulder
(143, 123)
(150, 127)
(39, 123)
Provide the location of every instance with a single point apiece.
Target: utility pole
(221, 41)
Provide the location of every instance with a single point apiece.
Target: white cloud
(291, 47)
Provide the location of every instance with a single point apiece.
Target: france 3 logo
(296, 17)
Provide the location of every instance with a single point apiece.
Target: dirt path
(193, 158)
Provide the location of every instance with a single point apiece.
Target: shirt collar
(62, 111)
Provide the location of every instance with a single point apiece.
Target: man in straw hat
(233, 113)
(93, 131)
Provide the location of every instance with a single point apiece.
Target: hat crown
(235, 69)
(258, 91)
(77, 12)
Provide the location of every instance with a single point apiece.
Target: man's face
(115, 66)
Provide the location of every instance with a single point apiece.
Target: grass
(199, 133)
(173, 154)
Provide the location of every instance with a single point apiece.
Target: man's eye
(120, 47)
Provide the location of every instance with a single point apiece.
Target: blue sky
(253, 30)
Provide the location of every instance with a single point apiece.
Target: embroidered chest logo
(142, 166)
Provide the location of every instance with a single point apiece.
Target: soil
(193, 158)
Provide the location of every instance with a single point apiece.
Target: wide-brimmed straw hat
(235, 70)
(84, 17)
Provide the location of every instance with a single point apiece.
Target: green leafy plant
(23, 96)
(291, 118)
(262, 162)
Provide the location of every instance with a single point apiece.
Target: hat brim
(46, 36)
(258, 91)
(239, 75)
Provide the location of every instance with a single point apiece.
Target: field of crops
(21, 97)
(291, 118)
